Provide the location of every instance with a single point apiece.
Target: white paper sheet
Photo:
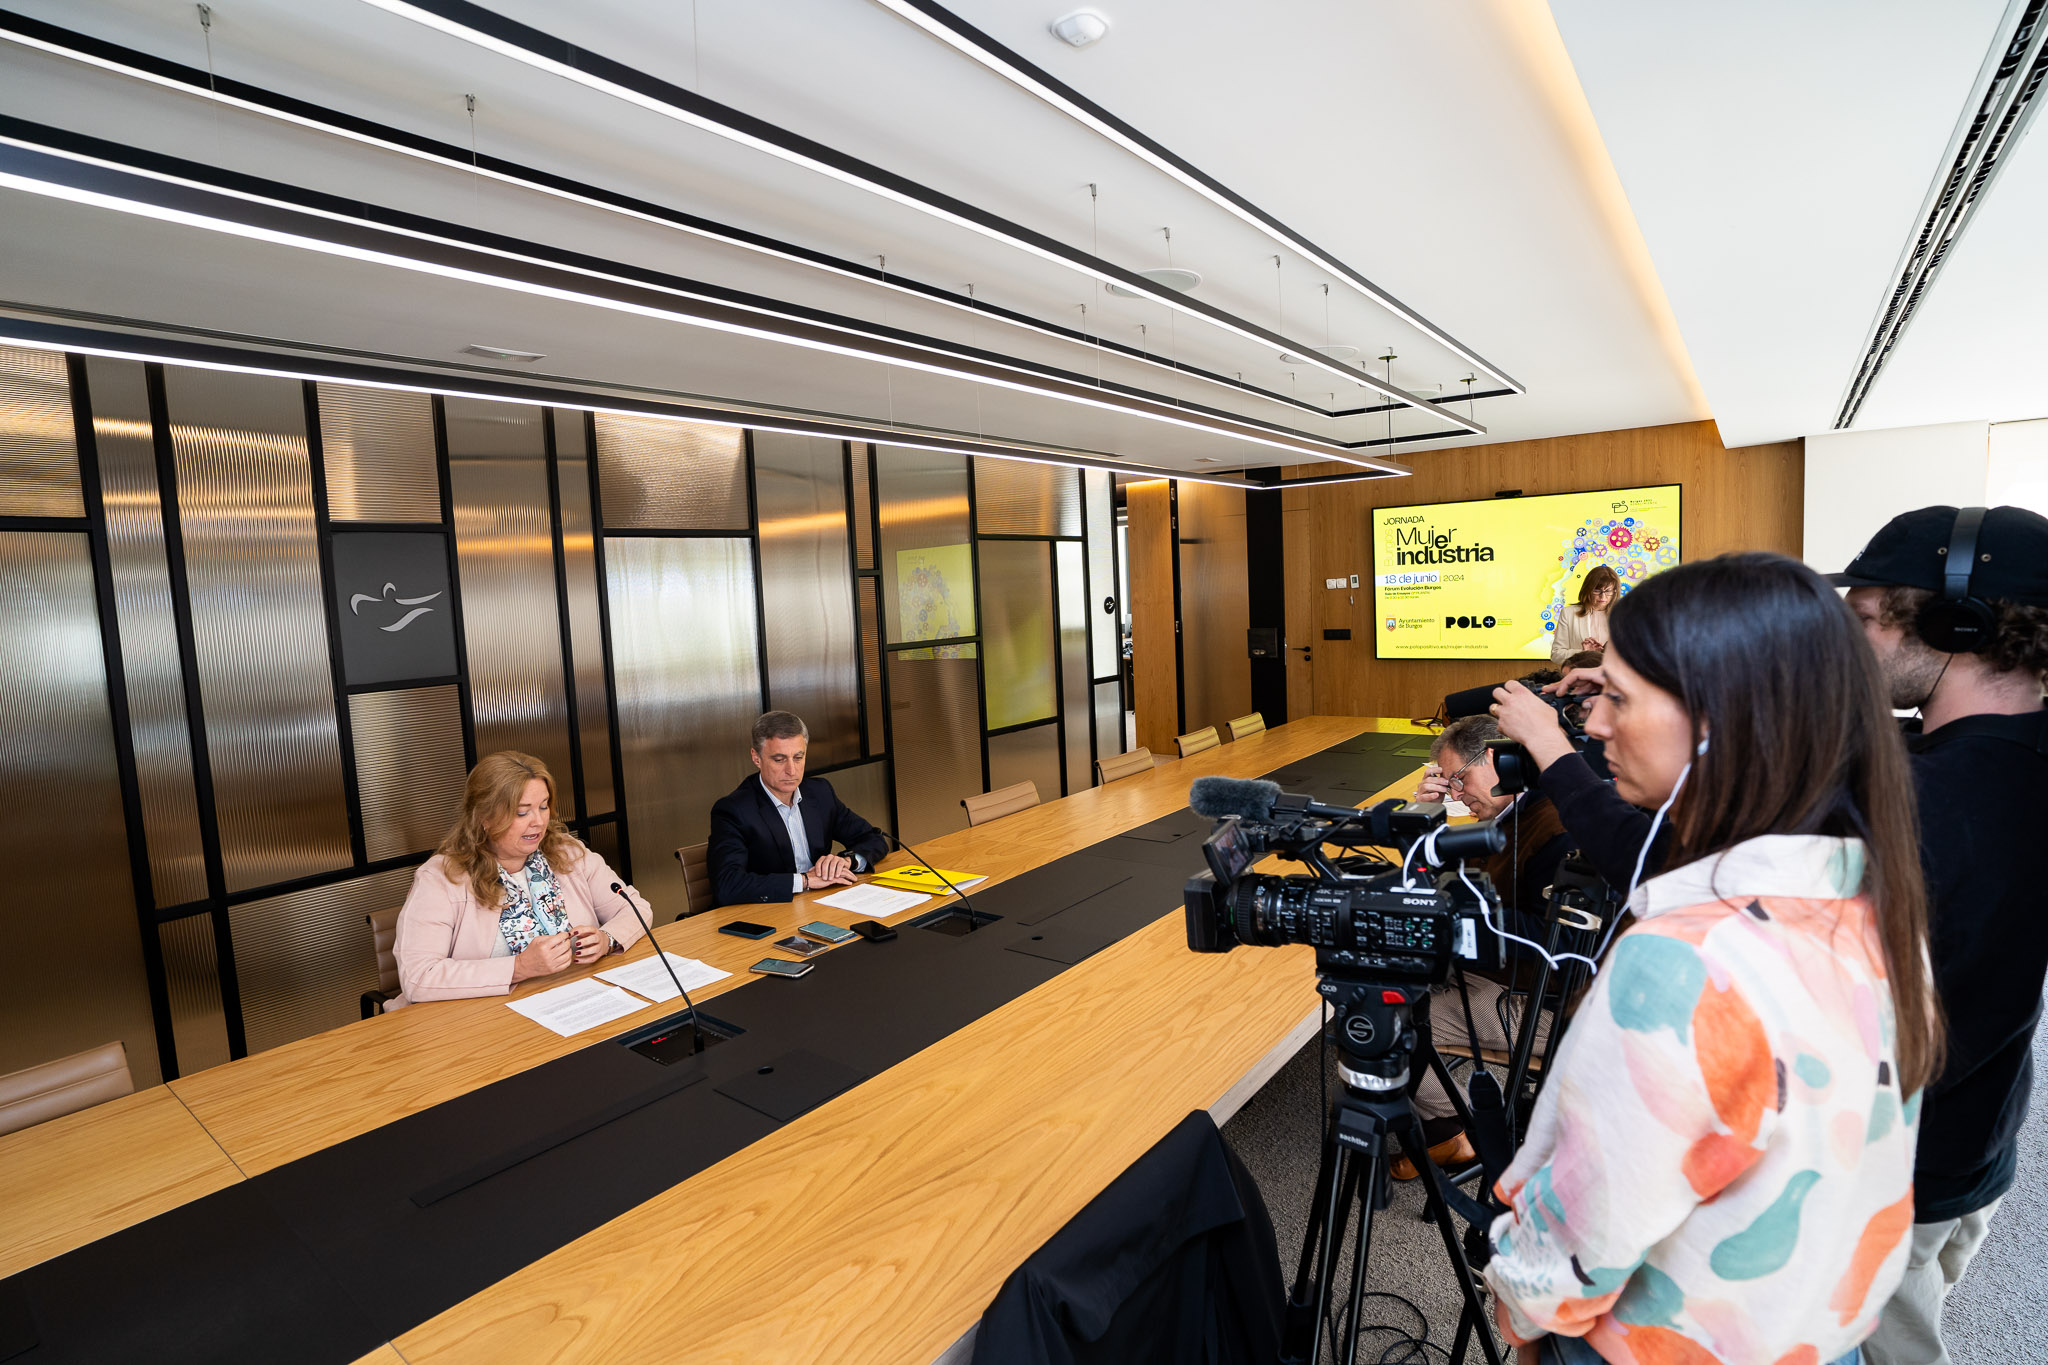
(647, 977)
(577, 1006)
(876, 902)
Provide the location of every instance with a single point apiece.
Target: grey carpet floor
(1993, 1317)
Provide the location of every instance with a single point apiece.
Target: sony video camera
(1365, 917)
(1514, 769)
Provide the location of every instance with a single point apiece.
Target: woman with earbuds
(1720, 1166)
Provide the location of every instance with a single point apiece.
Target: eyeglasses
(1456, 781)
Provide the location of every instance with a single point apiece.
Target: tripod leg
(1369, 1181)
(1440, 1213)
(1302, 1327)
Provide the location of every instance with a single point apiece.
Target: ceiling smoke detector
(504, 353)
(1082, 27)
(1167, 277)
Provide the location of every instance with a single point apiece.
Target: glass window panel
(378, 446)
(1026, 756)
(686, 662)
(807, 589)
(1216, 674)
(303, 960)
(863, 508)
(865, 790)
(660, 474)
(1075, 703)
(937, 735)
(926, 561)
(1017, 636)
(1109, 720)
(871, 663)
(586, 639)
(1023, 498)
(38, 436)
(1101, 572)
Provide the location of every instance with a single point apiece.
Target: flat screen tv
(1488, 579)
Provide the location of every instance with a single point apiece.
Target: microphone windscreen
(1215, 797)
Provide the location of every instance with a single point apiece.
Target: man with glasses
(1461, 769)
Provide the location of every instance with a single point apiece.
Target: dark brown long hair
(1776, 674)
(1603, 576)
(490, 798)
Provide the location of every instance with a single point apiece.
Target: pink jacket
(445, 938)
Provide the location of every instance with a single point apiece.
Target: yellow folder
(917, 877)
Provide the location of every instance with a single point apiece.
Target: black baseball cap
(1912, 550)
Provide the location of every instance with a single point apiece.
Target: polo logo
(355, 606)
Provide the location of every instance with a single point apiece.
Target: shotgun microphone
(974, 920)
(696, 1037)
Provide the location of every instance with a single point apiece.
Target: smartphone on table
(801, 946)
(831, 933)
(775, 966)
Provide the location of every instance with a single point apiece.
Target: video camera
(1366, 919)
(1514, 770)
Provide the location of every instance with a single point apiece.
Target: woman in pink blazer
(509, 895)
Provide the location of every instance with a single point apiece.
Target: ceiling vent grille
(2010, 90)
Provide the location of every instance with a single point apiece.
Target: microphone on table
(974, 920)
(696, 1037)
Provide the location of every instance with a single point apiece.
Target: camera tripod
(1377, 1043)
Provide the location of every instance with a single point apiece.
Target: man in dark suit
(772, 837)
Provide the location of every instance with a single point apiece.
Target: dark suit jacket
(750, 856)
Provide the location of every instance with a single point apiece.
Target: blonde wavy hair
(490, 798)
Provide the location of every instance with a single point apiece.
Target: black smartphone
(874, 931)
(801, 946)
(740, 928)
(776, 966)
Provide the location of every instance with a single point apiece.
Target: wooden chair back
(1245, 726)
(51, 1090)
(1119, 766)
(1204, 738)
(697, 892)
(1000, 802)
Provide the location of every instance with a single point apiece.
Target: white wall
(1856, 481)
(2018, 472)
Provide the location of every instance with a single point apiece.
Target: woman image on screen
(1720, 1166)
(510, 894)
(1583, 626)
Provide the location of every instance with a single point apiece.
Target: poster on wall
(1490, 579)
(935, 598)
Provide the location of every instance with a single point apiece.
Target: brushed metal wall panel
(865, 790)
(245, 501)
(1104, 641)
(1109, 722)
(409, 768)
(505, 550)
(38, 439)
(807, 589)
(936, 727)
(863, 508)
(871, 663)
(1076, 703)
(158, 731)
(303, 960)
(657, 474)
(62, 794)
(1216, 673)
(1017, 631)
(586, 642)
(192, 973)
(685, 661)
(1026, 756)
(378, 446)
(603, 840)
(1018, 498)
(923, 496)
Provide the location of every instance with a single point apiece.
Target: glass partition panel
(1023, 498)
(1075, 702)
(659, 474)
(926, 561)
(38, 437)
(1017, 630)
(1026, 755)
(807, 589)
(1216, 673)
(936, 733)
(1109, 720)
(1103, 650)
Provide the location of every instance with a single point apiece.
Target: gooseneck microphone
(974, 920)
(696, 1037)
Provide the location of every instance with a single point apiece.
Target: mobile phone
(775, 966)
(801, 946)
(831, 933)
(740, 928)
(874, 931)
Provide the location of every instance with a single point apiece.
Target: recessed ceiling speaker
(1082, 27)
(1170, 277)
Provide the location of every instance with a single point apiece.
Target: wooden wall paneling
(1748, 498)
(1297, 542)
(1215, 605)
(1154, 666)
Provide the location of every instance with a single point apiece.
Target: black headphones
(1956, 622)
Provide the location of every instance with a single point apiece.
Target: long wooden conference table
(875, 1226)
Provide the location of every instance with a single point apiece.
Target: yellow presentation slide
(1489, 579)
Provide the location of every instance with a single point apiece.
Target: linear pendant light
(197, 83)
(544, 52)
(971, 42)
(469, 255)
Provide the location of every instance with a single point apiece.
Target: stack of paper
(649, 978)
(876, 902)
(577, 1006)
(917, 877)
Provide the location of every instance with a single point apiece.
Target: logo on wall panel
(355, 606)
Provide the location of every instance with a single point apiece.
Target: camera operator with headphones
(1720, 1165)
(1955, 603)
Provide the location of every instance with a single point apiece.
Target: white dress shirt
(799, 839)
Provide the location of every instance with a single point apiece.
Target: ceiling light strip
(544, 52)
(253, 99)
(40, 336)
(972, 43)
(102, 184)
